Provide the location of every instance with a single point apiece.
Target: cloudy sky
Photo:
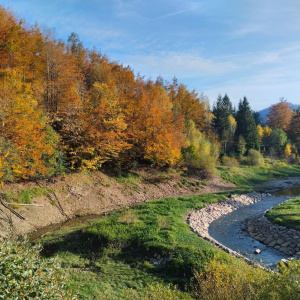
(239, 47)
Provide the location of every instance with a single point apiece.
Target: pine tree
(222, 122)
(246, 126)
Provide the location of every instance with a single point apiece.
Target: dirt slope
(96, 193)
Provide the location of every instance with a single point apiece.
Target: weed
(25, 196)
(128, 217)
(184, 181)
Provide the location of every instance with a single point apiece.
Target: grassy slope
(286, 214)
(249, 175)
(114, 253)
(111, 258)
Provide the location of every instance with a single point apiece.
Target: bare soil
(81, 194)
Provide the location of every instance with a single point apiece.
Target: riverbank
(42, 203)
(64, 197)
(202, 219)
(278, 237)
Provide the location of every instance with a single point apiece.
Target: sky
(240, 47)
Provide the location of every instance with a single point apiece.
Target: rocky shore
(201, 219)
(279, 237)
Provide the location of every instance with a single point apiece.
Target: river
(229, 230)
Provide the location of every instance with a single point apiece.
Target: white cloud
(183, 65)
(246, 30)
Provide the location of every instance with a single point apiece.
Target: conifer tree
(222, 122)
(246, 126)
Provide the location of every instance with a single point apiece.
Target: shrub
(255, 158)
(25, 275)
(229, 161)
(237, 280)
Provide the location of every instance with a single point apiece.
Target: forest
(66, 108)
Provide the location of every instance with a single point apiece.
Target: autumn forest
(67, 108)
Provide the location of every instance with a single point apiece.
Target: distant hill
(264, 112)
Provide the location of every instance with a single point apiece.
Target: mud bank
(81, 194)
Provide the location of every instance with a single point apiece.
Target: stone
(257, 251)
(285, 244)
(272, 243)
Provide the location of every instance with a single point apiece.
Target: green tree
(221, 123)
(246, 126)
(277, 141)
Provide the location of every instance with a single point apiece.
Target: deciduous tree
(280, 115)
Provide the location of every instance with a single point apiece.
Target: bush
(229, 161)
(25, 275)
(237, 280)
(255, 158)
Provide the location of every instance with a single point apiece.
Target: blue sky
(239, 47)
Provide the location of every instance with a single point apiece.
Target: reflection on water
(293, 191)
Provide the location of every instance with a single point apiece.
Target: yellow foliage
(232, 122)
(260, 131)
(23, 125)
(267, 131)
(288, 150)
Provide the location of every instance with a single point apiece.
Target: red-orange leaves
(280, 115)
(159, 134)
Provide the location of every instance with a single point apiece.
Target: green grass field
(117, 253)
(286, 214)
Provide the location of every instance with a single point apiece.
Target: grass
(25, 196)
(149, 252)
(286, 214)
(117, 252)
(129, 178)
(244, 175)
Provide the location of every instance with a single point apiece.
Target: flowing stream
(229, 230)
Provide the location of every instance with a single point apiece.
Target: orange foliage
(188, 105)
(280, 116)
(23, 125)
(158, 132)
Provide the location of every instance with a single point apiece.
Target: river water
(229, 230)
